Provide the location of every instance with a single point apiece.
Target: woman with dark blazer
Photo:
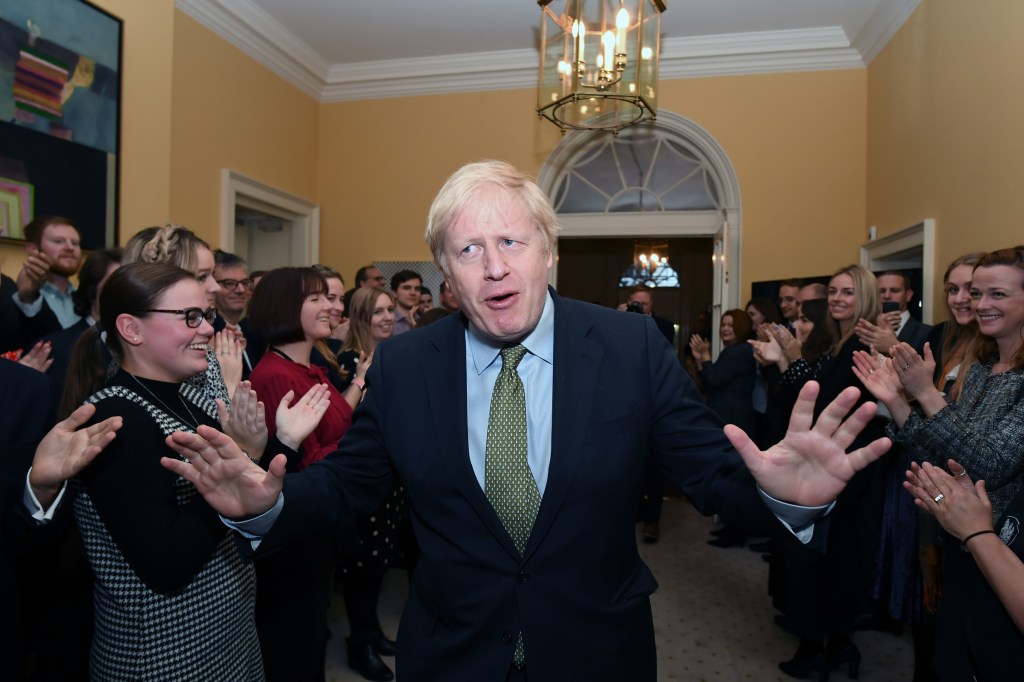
(729, 380)
(824, 593)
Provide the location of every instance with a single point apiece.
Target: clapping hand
(961, 506)
(810, 466)
(877, 374)
(363, 365)
(915, 372)
(767, 352)
(246, 423)
(39, 357)
(229, 356)
(341, 331)
(67, 449)
(880, 337)
(295, 422)
(32, 276)
(791, 349)
(701, 348)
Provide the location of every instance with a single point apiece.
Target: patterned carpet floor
(713, 618)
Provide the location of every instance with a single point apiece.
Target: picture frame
(60, 117)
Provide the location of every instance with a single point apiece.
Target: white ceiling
(337, 50)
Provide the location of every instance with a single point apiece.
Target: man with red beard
(54, 249)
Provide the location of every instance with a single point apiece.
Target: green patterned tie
(508, 481)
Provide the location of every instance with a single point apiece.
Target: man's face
(644, 299)
(62, 244)
(234, 291)
(374, 278)
(807, 293)
(426, 302)
(788, 302)
(893, 288)
(497, 262)
(408, 294)
(448, 300)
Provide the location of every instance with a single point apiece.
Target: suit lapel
(445, 373)
(577, 360)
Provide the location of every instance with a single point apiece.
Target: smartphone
(890, 306)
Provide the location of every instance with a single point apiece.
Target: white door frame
(240, 190)
(911, 247)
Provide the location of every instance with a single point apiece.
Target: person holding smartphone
(895, 325)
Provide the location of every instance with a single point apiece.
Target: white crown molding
(257, 34)
(751, 53)
(252, 30)
(882, 25)
(475, 72)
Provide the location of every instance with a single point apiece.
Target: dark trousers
(291, 610)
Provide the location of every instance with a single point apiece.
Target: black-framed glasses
(193, 316)
(230, 284)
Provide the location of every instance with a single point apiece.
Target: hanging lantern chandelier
(599, 62)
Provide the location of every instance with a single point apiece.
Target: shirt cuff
(255, 528)
(28, 309)
(35, 507)
(797, 519)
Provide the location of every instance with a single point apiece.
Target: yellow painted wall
(945, 139)
(145, 116)
(231, 112)
(796, 140)
(381, 163)
(797, 143)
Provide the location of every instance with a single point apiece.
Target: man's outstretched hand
(230, 482)
(810, 466)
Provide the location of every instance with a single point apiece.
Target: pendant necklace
(166, 407)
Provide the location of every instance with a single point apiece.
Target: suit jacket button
(506, 638)
(523, 577)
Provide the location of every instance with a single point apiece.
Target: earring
(135, 339)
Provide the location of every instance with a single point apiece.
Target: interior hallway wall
(231, 112)
(797, 142)
(945, 140)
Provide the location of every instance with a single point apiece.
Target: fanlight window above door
(641, 169)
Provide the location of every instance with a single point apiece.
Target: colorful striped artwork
(39, 80)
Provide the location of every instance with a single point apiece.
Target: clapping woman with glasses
(173, 598)
(180, 246)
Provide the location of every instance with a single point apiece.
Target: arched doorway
(669, 178)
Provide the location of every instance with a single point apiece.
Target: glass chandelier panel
(599, 62)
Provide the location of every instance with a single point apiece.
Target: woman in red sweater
(290, 311)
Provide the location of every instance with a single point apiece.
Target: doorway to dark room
(592, 269)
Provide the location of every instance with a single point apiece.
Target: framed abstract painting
(60, 117)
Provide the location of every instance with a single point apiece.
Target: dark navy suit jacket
(915, 333)
(16, 330)
(580, 593)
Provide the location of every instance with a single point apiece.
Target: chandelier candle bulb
(613, 83)
(621, 24)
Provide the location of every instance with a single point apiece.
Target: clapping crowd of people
(951, 399)
(184, 339)
(170, 336)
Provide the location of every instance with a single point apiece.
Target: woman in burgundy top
(291, 315)
(290, 311)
